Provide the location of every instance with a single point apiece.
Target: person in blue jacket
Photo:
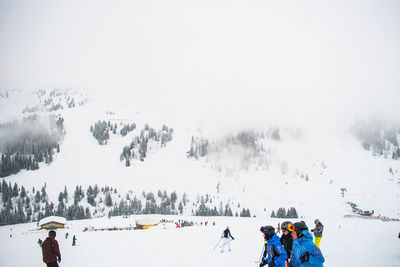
(276, 252)
(304, 252)
(74, 240)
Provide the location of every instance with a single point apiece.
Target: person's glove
(271, 264)
(233, 238)
(59, 259)
(262, 263)
(305, 257)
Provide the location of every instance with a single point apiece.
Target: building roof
(147, 221)
(56, 219)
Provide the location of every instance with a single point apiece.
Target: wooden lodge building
(52, 222)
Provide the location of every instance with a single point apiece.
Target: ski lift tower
(343, 190)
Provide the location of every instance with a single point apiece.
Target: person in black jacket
(286, 238)
(226, 235)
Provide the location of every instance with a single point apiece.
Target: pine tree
(23, 192)
(65, 194)
(108, 200)
(44, 194)
(173, 197)
(37, 197)
(15, 190)
(180, 207)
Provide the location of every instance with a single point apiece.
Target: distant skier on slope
(226, 235)
(276, 252)
(319, 228)
(304, 252)
(74, 240)
(286, 239)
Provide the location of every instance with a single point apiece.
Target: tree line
(19, 205)
(291, 213)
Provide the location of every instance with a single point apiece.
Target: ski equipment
(217, 243)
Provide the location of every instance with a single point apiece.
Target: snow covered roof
(147, 221)
(53, 219)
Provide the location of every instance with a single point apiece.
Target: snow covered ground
(346, 242)
(211, 68)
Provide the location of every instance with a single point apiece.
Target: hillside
(261, 169)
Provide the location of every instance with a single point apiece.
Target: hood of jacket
(274, 240)
(307, 235)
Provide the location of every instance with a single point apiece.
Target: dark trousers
(53, 264)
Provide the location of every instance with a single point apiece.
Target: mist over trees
(249, 148)
(379, 137)
(56, 100)
(26, 144)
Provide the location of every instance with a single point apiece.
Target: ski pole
(226, 242)
(262, 252)
(217, 243)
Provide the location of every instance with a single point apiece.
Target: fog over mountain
(218, 62)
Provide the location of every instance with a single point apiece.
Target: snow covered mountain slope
(305, 168)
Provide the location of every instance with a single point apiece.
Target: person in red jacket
(51, 250)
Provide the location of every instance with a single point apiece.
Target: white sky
(240, 60)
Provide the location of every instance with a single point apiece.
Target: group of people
(294, 248)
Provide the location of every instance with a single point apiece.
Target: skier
(51, 250)
(66, 235)
(276, 252)
(304, 252)
(286, 239)
(40, 242)
(74, 240)
(226, 235)
(317, 232)
(279, 228)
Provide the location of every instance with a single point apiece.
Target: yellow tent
(146, 223)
